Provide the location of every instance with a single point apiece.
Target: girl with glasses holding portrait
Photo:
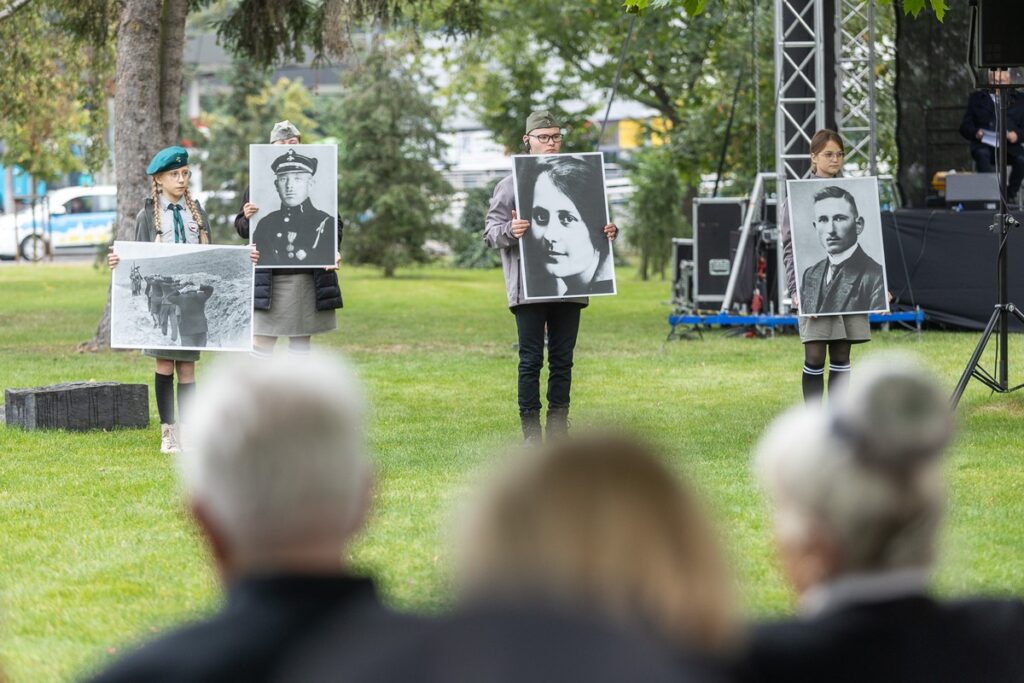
(829, 336)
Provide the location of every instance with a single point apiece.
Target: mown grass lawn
(96, 551)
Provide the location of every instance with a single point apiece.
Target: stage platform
(945, 262)
(699, 322)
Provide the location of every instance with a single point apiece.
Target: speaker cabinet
(713, 220)
(998, 39)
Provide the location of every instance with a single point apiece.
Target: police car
(69, 218)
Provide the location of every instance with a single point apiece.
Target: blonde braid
(156, 210)
(204, 230)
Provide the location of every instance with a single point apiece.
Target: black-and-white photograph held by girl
(565, 252)
(837, 246)
(296, 190)
(178, 296)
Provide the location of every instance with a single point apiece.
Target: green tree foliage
(655, 207)
(695, 7)
(238, 118)
(53, 89)
(272, 31)
(684, 67)
(388, 188)
(467, 242)
(503, 81)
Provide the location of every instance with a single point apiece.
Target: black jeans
(985, 162)
(562, 321)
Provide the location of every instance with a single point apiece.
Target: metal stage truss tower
(824, 75)
(825, 60)
(800, 83)
(855, 82)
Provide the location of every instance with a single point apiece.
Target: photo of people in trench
(167, 296)
(565, 252)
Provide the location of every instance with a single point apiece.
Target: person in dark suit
(298, 233)
(847, 280)
(277, 493)
(858, 499)
(980, 116)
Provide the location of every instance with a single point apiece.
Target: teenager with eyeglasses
(558, 318)
(830, 336)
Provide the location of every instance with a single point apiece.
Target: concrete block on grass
(78, 406)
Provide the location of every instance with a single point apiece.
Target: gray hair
(275, 452)
(867, 471)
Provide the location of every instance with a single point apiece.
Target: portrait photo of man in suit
(847, 280)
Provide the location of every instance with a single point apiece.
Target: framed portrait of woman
(565, 252)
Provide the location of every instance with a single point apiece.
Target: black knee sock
(813, 383)
(838, 375)
(186, 391)
(164, 386)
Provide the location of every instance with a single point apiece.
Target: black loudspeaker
(998, 39)
(713, 221)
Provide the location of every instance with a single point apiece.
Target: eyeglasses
(545, 139)
(832, 156)
(183, 173)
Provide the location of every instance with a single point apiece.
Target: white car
(69, 217)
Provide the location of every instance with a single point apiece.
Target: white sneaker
(168, 441)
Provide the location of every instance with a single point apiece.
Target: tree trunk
(172, 46)
(147, 96)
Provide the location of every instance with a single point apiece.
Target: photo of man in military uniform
(298, 234)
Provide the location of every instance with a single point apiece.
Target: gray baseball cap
(284, 130)
(540, 119)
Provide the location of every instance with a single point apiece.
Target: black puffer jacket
(328, 291)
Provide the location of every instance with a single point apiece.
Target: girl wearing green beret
(170, 215)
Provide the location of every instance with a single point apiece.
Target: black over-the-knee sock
(813, 382)
(186, 392)
(164, 386)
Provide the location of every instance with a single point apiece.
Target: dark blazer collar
(326, 587)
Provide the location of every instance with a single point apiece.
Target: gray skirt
(293, 309)
(171, 354)
(852, 328)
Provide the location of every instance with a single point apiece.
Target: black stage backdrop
(933, 81)
(950, 260)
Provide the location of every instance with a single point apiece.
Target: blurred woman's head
(599, 524)
(567, 218)
(857, 487)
